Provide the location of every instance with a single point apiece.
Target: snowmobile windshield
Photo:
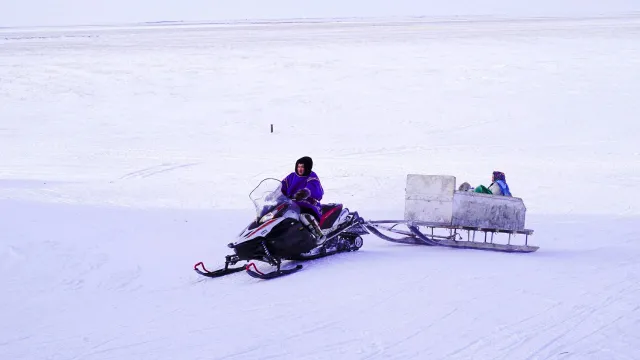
(267, 195)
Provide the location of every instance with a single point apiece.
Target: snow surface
(81, 12)
(128, 153)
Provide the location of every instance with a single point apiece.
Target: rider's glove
(302, 194)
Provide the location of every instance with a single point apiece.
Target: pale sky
(88, 12)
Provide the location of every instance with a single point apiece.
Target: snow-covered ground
(80, 12)
(128, 154)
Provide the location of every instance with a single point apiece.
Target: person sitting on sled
(498, 186)
(303, 186)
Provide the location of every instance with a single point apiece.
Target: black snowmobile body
(277, 234)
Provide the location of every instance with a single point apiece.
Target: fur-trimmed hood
(308, 165)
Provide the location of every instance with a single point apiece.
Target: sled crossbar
(416, 237)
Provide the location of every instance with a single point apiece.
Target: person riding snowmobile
(303, 186)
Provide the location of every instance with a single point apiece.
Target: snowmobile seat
(330, 213)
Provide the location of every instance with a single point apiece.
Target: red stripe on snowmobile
(260, 228)
(326, 215)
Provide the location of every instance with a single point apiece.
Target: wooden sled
(432, 203)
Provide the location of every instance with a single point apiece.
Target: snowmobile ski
(270, 275)
(217, 273)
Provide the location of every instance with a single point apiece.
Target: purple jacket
(294, 182)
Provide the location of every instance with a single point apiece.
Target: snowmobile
(277, 234)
